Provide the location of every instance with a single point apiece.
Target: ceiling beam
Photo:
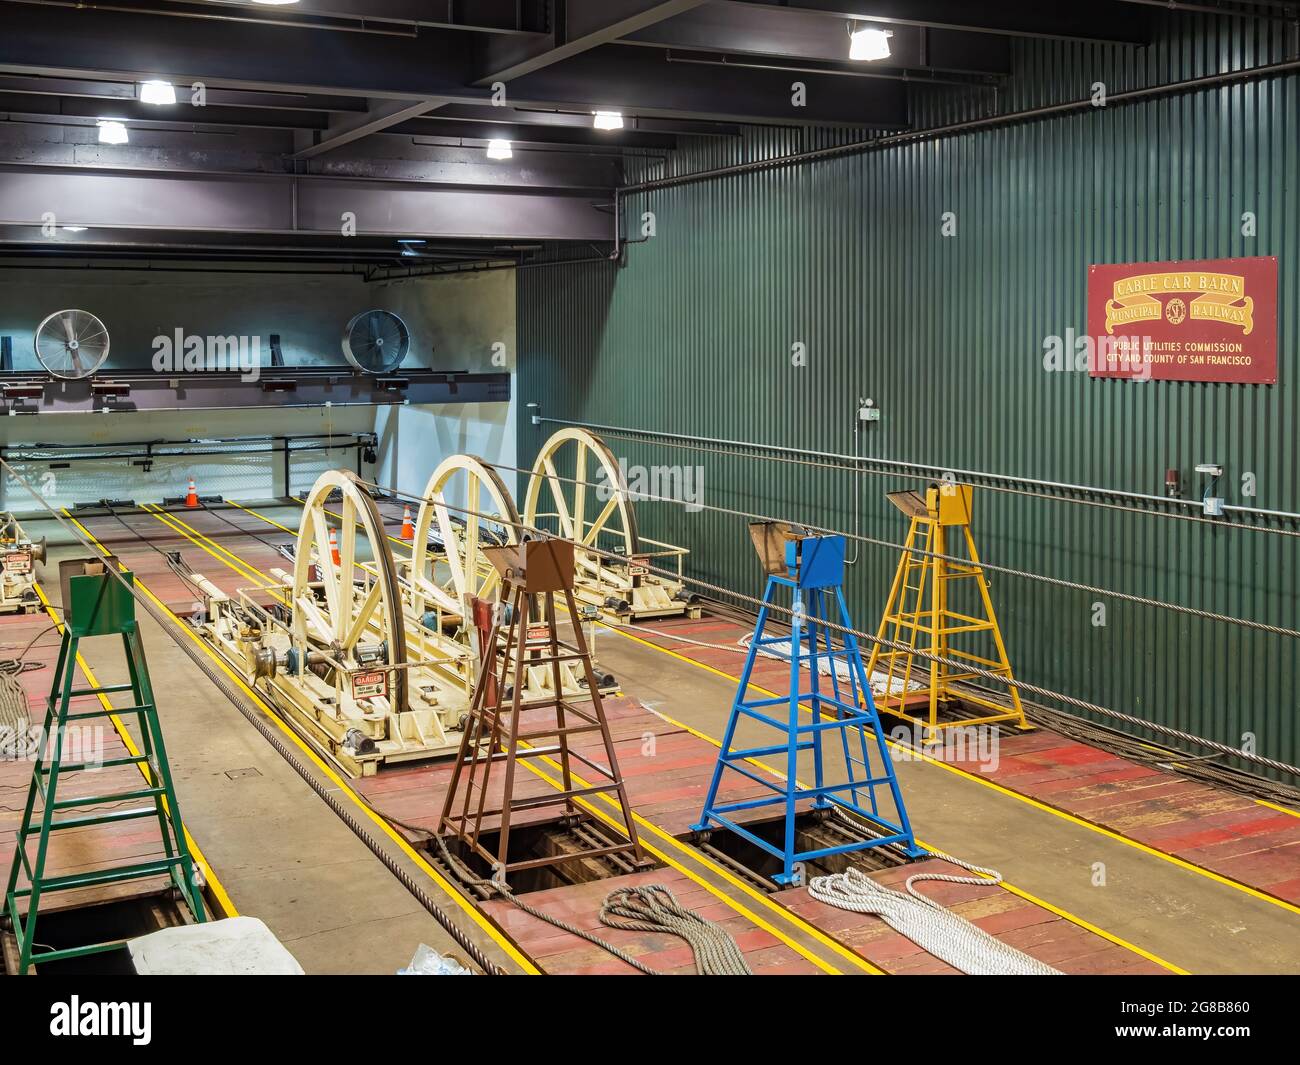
(95, 89)
(418, 157)
(582, 120)
(148, 116)
(276, 204)
(381, 116)
(581, 26)
(640, 81)
(92, 43)
(483, 16)
(1111, 21)
(95, 43)
(580, 137)
(749, 29)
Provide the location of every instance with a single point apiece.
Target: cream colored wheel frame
(464, 497)
(566, 493)
(350, 616)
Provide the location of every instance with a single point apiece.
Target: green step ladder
(95, 603)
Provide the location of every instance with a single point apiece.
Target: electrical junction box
(868, 412)
(1213, 506)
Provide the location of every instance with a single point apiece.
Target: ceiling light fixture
(609, 119)
(498, 149)
(74, 229)
(112, 132)
(274, 3)
(161, 93)
(868, 44)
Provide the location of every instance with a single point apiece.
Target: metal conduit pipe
(42, 455)
(889, 140)
(850, 461)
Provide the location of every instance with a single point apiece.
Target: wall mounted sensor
(868, 411)
(1211, 504)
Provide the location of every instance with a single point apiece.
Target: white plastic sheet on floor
(236, 946)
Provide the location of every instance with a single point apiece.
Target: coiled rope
(653, 908)
(932, 927)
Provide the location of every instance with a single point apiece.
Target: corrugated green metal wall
(694, 336)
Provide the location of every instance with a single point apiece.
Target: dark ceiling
(290, 117)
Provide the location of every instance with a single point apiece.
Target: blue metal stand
(814, 567)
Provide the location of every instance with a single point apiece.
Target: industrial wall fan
(376, 341)
(71, 344)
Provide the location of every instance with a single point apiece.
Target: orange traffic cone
(334, 546)
(408, 530)
(192, 496)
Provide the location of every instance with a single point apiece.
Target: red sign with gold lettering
(1210, 320)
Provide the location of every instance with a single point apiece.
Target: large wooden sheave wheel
(578, 491)
(353, 612)
(469, 507)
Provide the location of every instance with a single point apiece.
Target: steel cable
(1056, 582)
(507, 893)
(653, 908)
(880, 641)
(853, 466)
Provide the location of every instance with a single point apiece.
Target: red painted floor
(1225, 833)
(666, 787)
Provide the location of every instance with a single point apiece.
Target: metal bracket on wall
(290, 387)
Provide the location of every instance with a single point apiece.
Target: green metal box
(95, 603)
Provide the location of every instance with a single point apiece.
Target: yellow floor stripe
(219, 896)
(1073, 918)
(218, 552)
(333, 777)
(1020, 892)
(812, 931)
(263, 517)
(965, 774)
(1280, 809)
(1018, 796)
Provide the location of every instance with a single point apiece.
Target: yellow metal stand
(919, 614)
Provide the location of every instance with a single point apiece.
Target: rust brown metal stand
(503, 727)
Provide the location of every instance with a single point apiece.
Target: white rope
(946, 935)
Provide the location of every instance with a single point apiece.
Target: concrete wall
(455, 321)
(463, 316)
(308, 311)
